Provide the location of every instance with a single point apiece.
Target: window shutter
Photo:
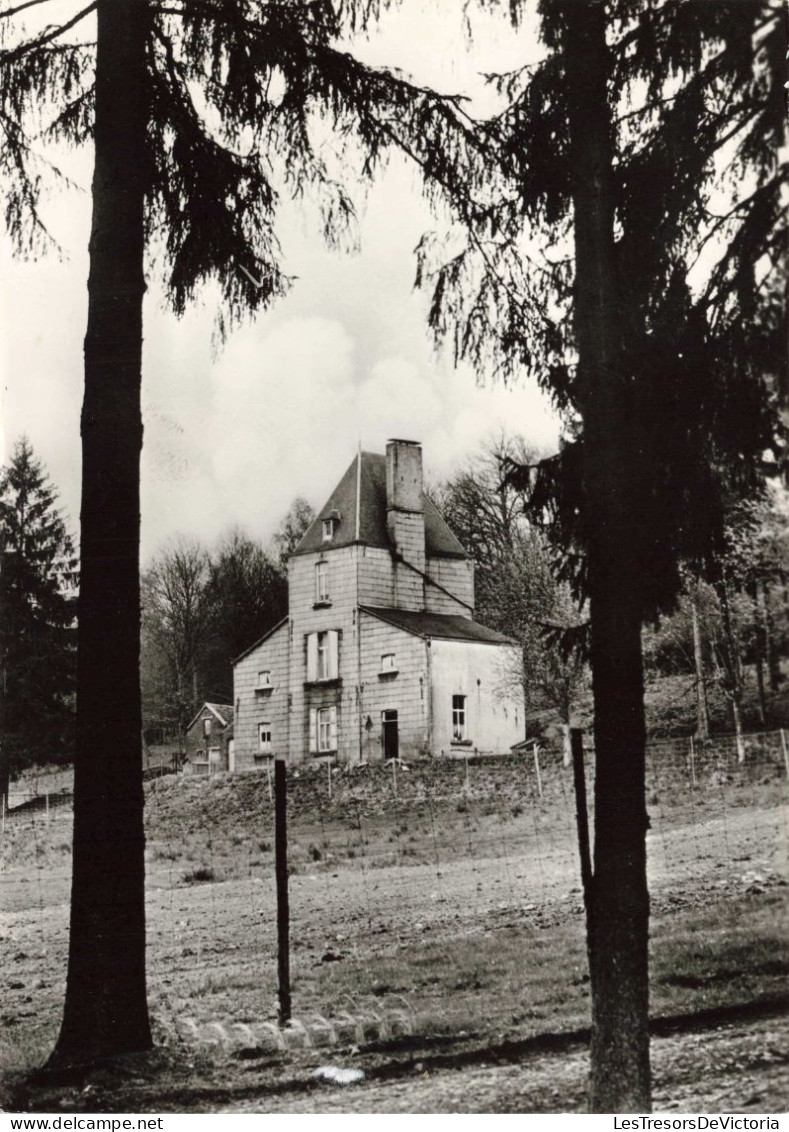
(312, 656)
(333, 729)
(313, 731)
(334, 654)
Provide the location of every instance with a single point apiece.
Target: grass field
(447, 915)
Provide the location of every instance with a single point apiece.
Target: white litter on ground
(339, 1076)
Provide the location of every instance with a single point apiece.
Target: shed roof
(223, 712)
(360, 498)
(439, 626)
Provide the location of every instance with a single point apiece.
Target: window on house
(388, 662)
(323, 655)
(264, 738)
(331, 524)
(322, 581)
(206, 726)
(264, 678)
(323, 730)
(458, 718)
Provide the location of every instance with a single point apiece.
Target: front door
(389, 725)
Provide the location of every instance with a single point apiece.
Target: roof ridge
(358, 492)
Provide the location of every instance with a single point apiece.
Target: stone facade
(379, 637)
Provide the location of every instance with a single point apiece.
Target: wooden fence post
(785, 750)
(537, 768)
(692, 761)
(281, 869)
(268, 780)
(579, 781)
(328, 775)
(3, 830)
(394, 777)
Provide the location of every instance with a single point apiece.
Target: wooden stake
(268, 779)
(394, 777)
(281, 869)
(537, 769)
(328, 775)
(46, 803)
(692, 761)
(785, 750)
(582, 817)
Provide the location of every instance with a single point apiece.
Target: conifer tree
(37, 610)
(630, 254)
(200, 114)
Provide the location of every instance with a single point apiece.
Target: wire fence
(418, 893)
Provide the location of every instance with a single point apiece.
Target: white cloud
(344, 358)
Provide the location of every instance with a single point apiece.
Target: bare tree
(176, 612)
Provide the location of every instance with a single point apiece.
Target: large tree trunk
(619, 905)
(106, 1009)
(702, 707)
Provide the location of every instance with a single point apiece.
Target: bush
(199, 876)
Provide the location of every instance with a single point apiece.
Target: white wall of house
(455, 575)
(376, 576)
(397, 684)
(311, 615)
(261, 700)
(493, 715)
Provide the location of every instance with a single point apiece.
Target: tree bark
(619, 916)
(732, 665)
(106, 1009)
(760, 652)
(766, 627)
(736, 713)
(702, 708)
(567, 748)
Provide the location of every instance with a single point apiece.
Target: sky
(232, 436)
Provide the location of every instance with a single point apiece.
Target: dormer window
(330, 524)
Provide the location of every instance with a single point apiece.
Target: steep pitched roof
(439, 626)
(223, 712)
(360, 498)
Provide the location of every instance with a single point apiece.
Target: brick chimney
(405, 520)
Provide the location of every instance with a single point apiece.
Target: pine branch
(10, 56)
(21, 7)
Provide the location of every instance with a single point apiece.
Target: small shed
(207, 738)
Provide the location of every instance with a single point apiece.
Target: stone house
(209, 740)
(380, 655)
